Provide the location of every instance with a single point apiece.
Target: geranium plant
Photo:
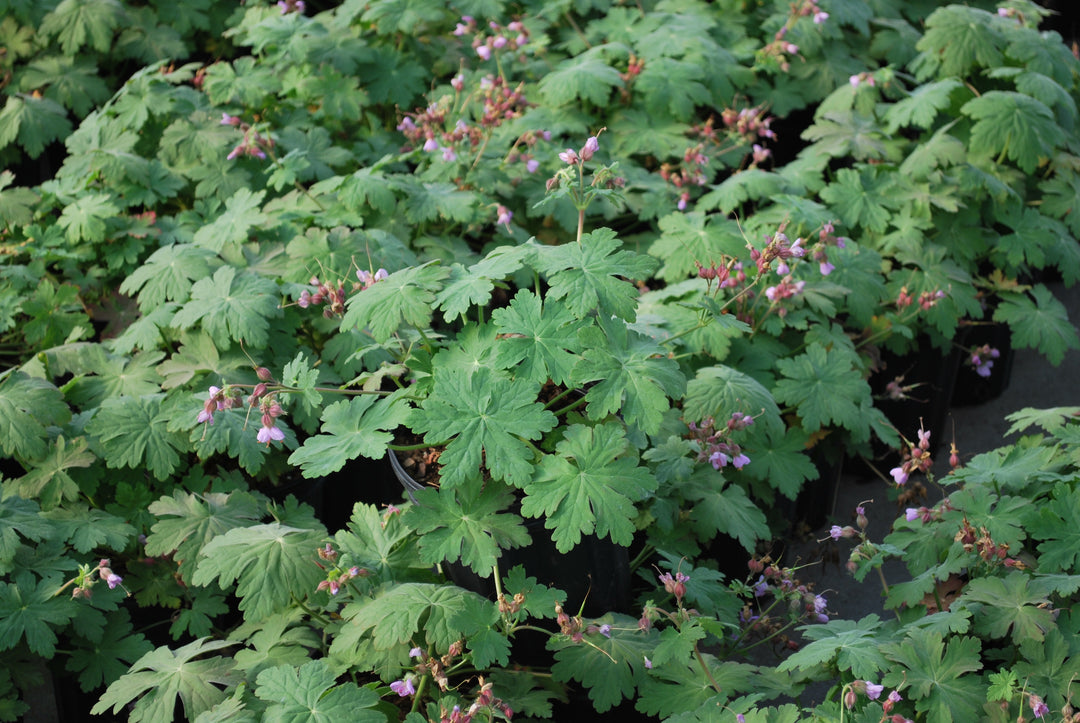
(343, 243)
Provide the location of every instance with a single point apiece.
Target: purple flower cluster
(916, 458)
(716, 445)
(981, 359)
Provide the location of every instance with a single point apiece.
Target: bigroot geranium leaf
(936, 675)
(361, 426)
(486, 417)
(633, 375)
(231, 307)
(168, 274)
(133, 432)
(100, 662)
(538, 340)
(1011, 603)
(30, 608)
(188, 521)
(404, 297)
(310, 693)
(591, 485)
(587, 274)
(610, 667)
(27, 406)
(272, 565)
(161, 676)
(824, 386)
(1041, 323)
(461, 524)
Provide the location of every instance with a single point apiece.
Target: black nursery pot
(973, 389)
(934, 373)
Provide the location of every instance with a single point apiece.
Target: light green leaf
(31, 610)
(167, 275)
(232, 307)
(84, 220)
(633, 375)
(187, 522)
(467, 525)
(76, 23)
(242, 212)
(133, 432)
(935, 675)
(27, 406)
(590, 486)
(486, 417)
(272, 564)
(824, 387)
(404, 297)
(310, 694)
(361, 426)
(1039, 321)
(586, 274)
(411, 613)
(689, 239)
(1014, 125)
(48, 480)
(1009, 603)
(922, 106)
(585, 77)
(539, 341)
(161, 676)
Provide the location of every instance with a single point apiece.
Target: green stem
(642, 556)
(569, 407)
(555, 399)
(419, 696)
(580, 224)
(691, 330)
(705, 668)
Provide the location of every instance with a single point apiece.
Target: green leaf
(133, 432)
(76, 23)
(361, 426)
(1014, 125)
(19, 518)
(688, 239)
(586, 77)
(27, 406)
(724, 509)
(311, 693)
(752, 184)
(862, 198)
(921, 107)
(1009, 603)
(167, 275)
(161, 676)
(847, 133)
(486, 417)
(48, 480)
(433, 201)
(539, 599)
(401, 613)
(191, 521)
(720, 391)
(84, 220)
(16, 204)
(538, 341)
(34, 122)
(273, 565)
(854, 646)
(585, 274)
(957, 40)
(633, 375)
(590, 486)
(824, 386)
(242, 212)
(100, 662)
(1040, 323)
(1050, 666)
(30, 609)
(404, 297)
(233, 433)
(198, 354)
(611, 668)
(935, 675)
(1057, 524)
(466, 525)
(232, 307)
(86, 528)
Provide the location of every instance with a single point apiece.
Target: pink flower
(499, 41)
(854, 80)
(592, 145)
(416, 653)
(894, 696)
(826, 268)
(648, 663)
(484, 52)
(229, 120)
(205, 416)
(269, 434)
(431, 145)
(457, 82)
(911, 514)
(504, 217)
(605, 630)
(403, 688)
(873, 690)
(1038, 707)
(569, 156)
(899, 475)
(112, 580)
(740, 460)
(836, 532)
(531, 165)
(820, 16)
(448, 154)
